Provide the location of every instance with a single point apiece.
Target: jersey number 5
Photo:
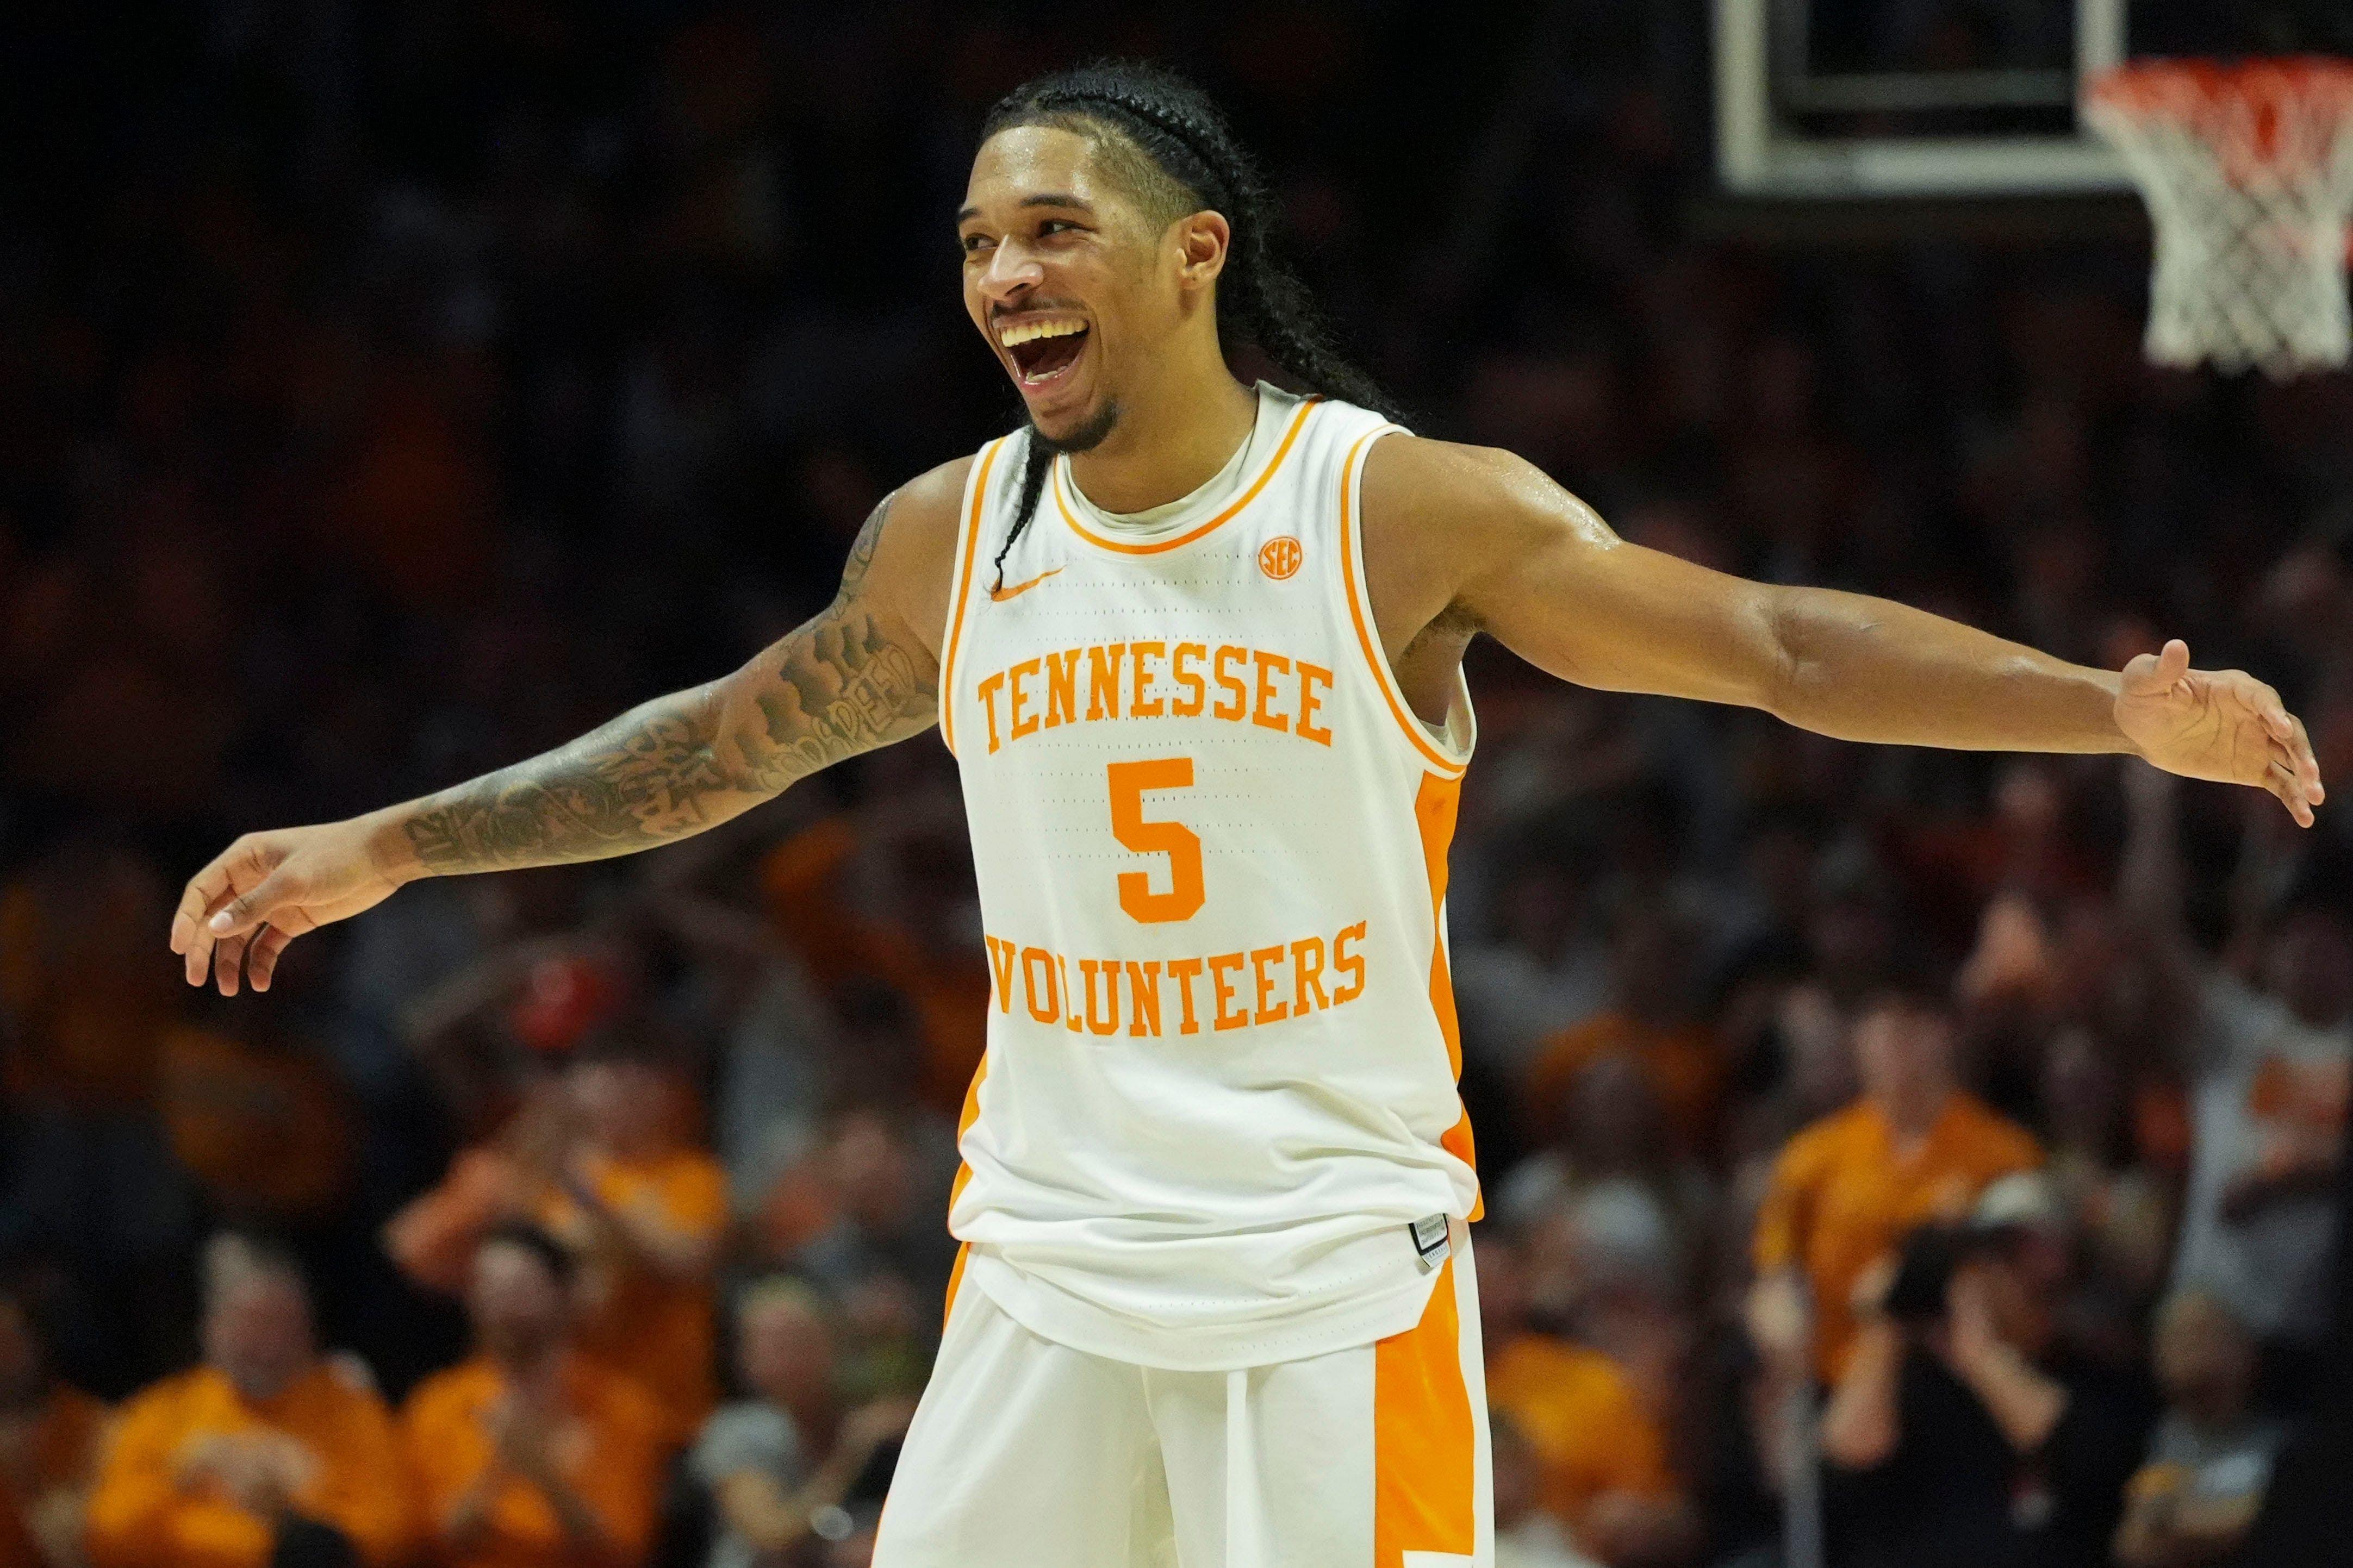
(1174, 839)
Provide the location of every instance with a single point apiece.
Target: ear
(1201, 240)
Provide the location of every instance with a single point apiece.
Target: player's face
(1062, 276)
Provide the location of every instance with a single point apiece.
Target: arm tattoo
(836, 686)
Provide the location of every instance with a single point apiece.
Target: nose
(1009, 271)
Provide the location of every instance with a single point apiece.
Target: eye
(1051, 224)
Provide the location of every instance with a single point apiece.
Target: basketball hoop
(2248, 172)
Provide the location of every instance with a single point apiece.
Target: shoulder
(2003, 1144)
(1583, 1384)
(1413, 479)
(163, 1400)
(904, 558)
(449, 1392)
(1442, 521)
(751, 1433)
(932, 501)
(1824, 1143)
(340, 1387)
(917, 521)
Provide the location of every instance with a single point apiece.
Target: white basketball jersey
(1211, 838)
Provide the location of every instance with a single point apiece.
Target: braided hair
(1170, 145)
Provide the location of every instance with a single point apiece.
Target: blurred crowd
(1931, 1150)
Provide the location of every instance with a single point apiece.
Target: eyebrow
(1048, 199)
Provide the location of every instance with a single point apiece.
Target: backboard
(1912, 97)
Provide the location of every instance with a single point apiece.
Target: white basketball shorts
(1025, 1453)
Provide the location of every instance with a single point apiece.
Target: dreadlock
(1175, 151)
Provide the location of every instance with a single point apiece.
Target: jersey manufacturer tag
(1431, 1244)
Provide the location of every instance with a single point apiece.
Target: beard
(1090, 433)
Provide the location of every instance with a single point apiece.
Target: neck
(1173, 435)
(531, 1367)
(815, 1416)
(1915, 1116)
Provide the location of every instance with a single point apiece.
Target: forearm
(580, 1522)
(1862, 669)
(1861, 1426)
(2023, 1403)
(657, 773)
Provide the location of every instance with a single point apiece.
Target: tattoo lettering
(832, 688)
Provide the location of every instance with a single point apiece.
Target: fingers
(228, 959)
(2282, 779)
(262, 958)
(2293, 773)
(189, 938)
(2307, 765)
(240, 915)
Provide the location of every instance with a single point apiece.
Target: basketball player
(1197, 648)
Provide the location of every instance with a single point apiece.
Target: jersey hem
(1056, 1314)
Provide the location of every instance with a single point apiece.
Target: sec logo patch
(1279, 558)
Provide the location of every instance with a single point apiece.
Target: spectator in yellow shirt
(1844, 1191)
(531, 1455)
(1600, 1451)
(646, 1212)
(598, 1159)
(264, 1453)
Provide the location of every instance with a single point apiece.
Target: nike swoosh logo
(1001, 595)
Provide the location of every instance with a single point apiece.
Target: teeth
(1024, 332)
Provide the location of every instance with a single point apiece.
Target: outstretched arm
(1496, 546)
(861, 674)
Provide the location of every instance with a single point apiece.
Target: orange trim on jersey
(962, 590)
(964, 1174)
(955, 1278)
(1158, 545)
(1425, 1446)
(1370, 644)
(963, 1124)
(1434, 811)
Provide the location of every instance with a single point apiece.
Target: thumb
(251, 909)
(2150, 675)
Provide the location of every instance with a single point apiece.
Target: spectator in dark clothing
(2210, 1463)
(1964, 1431)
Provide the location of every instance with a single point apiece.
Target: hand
(1970, 1339)
(267, 888)
(523, 1441)
(1778, 1325)
(201, 1462)
(2223, 725)
(871, 1425)
(1868, 1298)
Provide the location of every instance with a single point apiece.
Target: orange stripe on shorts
(1424, 1450)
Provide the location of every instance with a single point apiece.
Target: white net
(2248, 174)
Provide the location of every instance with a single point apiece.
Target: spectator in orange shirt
(1913, 1147)
(886, 898)
(1649, 1020)
(1602, 1452)
(531, 1455)
(647, 1214)
(49, 1436)
(265, 1454)
(595, 1158)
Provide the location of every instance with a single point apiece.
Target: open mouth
(1045, 356)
